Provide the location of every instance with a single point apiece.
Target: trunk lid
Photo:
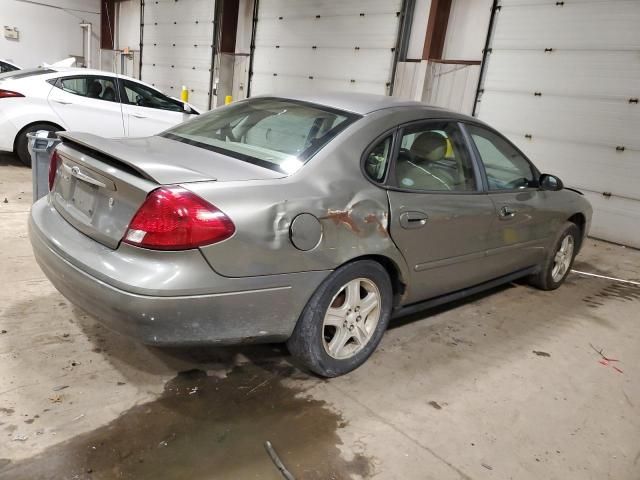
(100, 184)
(167, 161)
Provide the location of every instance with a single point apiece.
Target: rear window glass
(274, 133)
(7, 67)
(17, 74)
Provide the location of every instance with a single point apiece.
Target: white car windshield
(275, 133)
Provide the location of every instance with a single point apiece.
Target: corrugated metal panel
(315, 45)
(611, 25)
(177, 47)
(583, 73)
(573, 108)
(590, 167)
(609, 123)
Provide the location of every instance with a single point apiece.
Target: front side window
(142, 96)
(376, 161)
(505, 167)
(275, 133)
(433, 157)
(98, 88)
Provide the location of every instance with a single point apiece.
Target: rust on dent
(343, 217)
(373, 218)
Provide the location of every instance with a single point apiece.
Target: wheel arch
(579, 220)
(31, 124)
(398, 282)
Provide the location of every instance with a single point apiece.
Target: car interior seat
(417, 167)
(109, 94)
(94, 90)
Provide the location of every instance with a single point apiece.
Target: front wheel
(558, 263)
(344, 320)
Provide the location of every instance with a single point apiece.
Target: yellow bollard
(228, 99)
(184, 94)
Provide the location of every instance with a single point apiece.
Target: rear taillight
(172, 218)
(53, 168)
(9, 94)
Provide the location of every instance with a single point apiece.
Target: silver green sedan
(311, 220)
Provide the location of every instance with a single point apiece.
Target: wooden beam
(229, 24)
(107, 24)
(436, 29)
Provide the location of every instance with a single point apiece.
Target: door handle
(138, 116)
(413, 219)
(61, 102)
(507, 212)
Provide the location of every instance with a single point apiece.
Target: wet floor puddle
(205, 427)
(614, 291)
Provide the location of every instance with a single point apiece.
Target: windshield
(274, 133)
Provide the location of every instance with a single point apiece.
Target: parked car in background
(310, 220)
(7, 66)
(62, 98)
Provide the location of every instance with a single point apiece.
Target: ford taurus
(310, 220)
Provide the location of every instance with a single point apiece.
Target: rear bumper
(224, 311)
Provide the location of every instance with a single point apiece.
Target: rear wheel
(22, 141)
(344, 320)
(560, 259)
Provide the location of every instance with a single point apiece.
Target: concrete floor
(503, 386)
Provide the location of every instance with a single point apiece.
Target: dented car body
(293, 224)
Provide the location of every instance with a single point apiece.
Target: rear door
(148, 111)
(88, 103)
(440, 216)
(521, 226)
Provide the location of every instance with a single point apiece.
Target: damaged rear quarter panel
(353, 212)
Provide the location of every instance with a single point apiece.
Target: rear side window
(274, 133)
(434, 157)
(377, 160)
(99, 88)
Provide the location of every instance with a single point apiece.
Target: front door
(440, 217)
(522, 224)
(148, 111)
(88, 103)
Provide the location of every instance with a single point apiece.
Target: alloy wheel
(351, 318)
(562, 260)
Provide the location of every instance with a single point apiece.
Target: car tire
(337, 315)
(559, 261)
(22, 142)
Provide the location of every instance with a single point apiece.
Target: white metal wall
(317, 45)
(563, 82)
(49, 30)
(177, 47)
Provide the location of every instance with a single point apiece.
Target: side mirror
(186, 108)
(550, 182)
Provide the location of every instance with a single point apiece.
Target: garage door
(319, 45)
(563, 82)
(177, 43)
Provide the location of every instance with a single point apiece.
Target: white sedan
(79, 99)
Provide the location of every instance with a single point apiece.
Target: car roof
(365, 103)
